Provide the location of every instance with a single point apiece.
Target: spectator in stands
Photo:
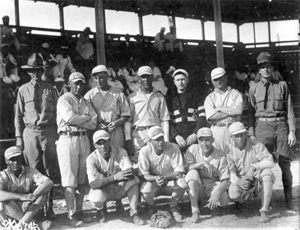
(84, 45)
(52, 70)
(59, 86)
(159, 41)
(222, 107)
(187, 111)
(207, 174)
(249, 163)
(148, 108)
(127, 49)
(9, 63)
(110, 177)
(171, 41)
(158, 83)
(110, 104)
(35, 120)
(161, 167)
(75, 117)
(8, 35)
(23, 191)
(64, 62)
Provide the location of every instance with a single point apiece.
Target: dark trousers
(287, 177)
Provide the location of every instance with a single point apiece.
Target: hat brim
(33, 67)
(14, 155)
(238, 131)
(76, 80)
(157, 136)
(100, 138)
(204, 135)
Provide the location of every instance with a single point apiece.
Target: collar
(221, 92)
(153, 91)
(264, 81)
(22, 171)
(34, 82)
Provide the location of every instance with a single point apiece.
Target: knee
(192, 175)
(147, 187)
(234, 192)
(267, 175)
(97, 196)
(180, 184)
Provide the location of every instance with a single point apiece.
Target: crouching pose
(161, 166)
(249, 161)
(23, 191)
(110, 176)
(208, 175)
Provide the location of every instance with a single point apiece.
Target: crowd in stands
(155, 112)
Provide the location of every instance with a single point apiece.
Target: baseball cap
(35, 61)
(263, 58)
(217, 72)
(155, 132)
(14, 77)
(7, 80)
(76, 76)
(99, 69)
(236, 127)
(4, 45)
(100, 135)
(178, 71)
(145, 70)
(12, 152)
(204, 132)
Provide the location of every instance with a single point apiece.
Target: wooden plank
(218, 28)
(100, 32)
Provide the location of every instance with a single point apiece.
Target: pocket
(260, 104)
(279, 103)
(29, 105)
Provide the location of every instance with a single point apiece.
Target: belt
(223, 124)
(142, 128)
(271, 118)
(65, 133)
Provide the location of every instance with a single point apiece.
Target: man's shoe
(83, 218)
(101, 216)
(151, 210)
(138, 221)
(291, 207)
(176, 215)
(195, 218)
(74, 222)
(263, 217)
(50, 214)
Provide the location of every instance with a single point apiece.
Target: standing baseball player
(222, 107)
(271, 120)
(75, 117)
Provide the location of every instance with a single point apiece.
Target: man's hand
(20, 143)
(102, 126)
(129, 147)
(192, 139)
(123, 175)
(112, 125)
(213, 201)
(25, 197)
(160, 181)
(180, 141)
(291, 139)
(250, 173)
(243, 183)
(208, 167)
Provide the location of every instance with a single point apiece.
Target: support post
(203, 30)
(100, 32)
(61, 18)
(141, 26)
(17, 13)
(269, 32)
(238, 32)
(254, 34)
(218, 28)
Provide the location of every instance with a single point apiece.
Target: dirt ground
(222, 218)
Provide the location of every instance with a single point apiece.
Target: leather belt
(271, 118)
(142, 128)
(223, 124)
(65, 133)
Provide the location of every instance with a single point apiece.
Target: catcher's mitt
(161, 219)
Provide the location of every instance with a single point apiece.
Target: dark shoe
(83, 218)
(263, 217)
(50, 214)
(151, 210)
(74, 222)
(195, 218)
(138, 221)
(101, 216)
(176, 215)
(291, 207)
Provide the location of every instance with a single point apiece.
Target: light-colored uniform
(254, 154)
(207, 183)
(230, 99)
(98, 169)
(168, 162)
(109, 105)
(147, 110)
(73, 145)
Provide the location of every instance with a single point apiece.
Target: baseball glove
(161, 219)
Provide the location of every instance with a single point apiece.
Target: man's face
(266, 70)
(5, 21)
(220, 83)
(14, 164)
(158, 144)
(36, 74)
(146, 81)
(101, 79)
(181, 81)
(103, 147)
(76, 88)
(206, 143)
(239, 140)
